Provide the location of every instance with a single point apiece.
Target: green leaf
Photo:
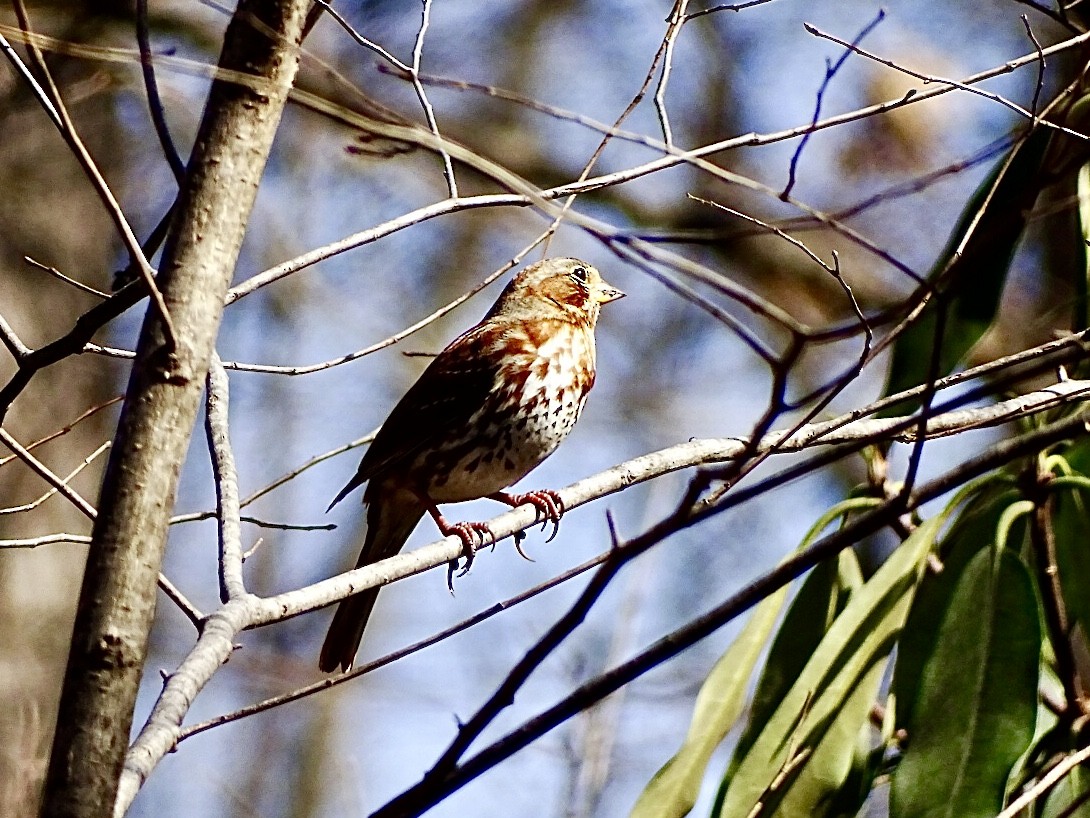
(818, 786)
(674, 788)
(976, 706)
(973, 530)
(822, 596)
(1070, 523)
(811, 736)
(971, 271)
(869, 761)
(1070, 798)
(1082, 306)
(1061, 234)
(803, 628)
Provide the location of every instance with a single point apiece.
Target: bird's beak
(605, 294)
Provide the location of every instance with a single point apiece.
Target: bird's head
(569, 285)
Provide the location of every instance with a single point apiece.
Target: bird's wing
(437, 407)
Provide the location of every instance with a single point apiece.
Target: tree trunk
(117, 599)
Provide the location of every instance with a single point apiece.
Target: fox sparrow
(487, 410)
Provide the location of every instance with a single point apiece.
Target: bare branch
(1041, 787)
(831, 70)
(64, 429)
(676, 20)
(1040, 68)
(729, 7)
(15, 346)
(1038, 56)
(179, 599)
(65, 480)
(43, 471)
(231, 582)
(162, 729)
(429, 112)
(368, 667)
(59, 114)
(53, 271)
(449, 779)
(45, 539)
(359, 38)
(1057, 16)
(151, 86)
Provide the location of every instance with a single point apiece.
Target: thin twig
(771, 228)
(1046, 783)
(450, 306)
(729, 7)
(1054, 606)
(608, 133)
(425, 103)
(43, 471)
(66, 480)
(1040, 68)
(1057, 16)
(401, 653)
(314, 461)
(151, 87)
(676, 20)
(831, 70)
(178, 598)
(53, 103)
(33, 361)
(53, 271)
(11, 340)
(1038, 56)
(359, 38)
(64, 429)
(287, 526)
(927, 399)
(199, 516)
(88, 510)
(865, 354)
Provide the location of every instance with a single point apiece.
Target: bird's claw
(548, 505)
(467, 533)
(519, 537)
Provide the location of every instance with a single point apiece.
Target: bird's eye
(579, 274)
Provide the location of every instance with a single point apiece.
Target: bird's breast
(537, 397)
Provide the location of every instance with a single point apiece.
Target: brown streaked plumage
(487, 410)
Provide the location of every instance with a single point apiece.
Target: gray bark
(117, 599)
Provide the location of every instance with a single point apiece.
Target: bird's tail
(391, 518)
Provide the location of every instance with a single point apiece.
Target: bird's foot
(546, 502)
(469, 534)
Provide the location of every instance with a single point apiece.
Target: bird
(485, 412)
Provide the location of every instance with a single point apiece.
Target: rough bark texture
(117, 599)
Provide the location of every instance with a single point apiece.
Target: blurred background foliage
(667, 370)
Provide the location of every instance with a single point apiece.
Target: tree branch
(117, 599)
(214, 646)
(431, 790)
